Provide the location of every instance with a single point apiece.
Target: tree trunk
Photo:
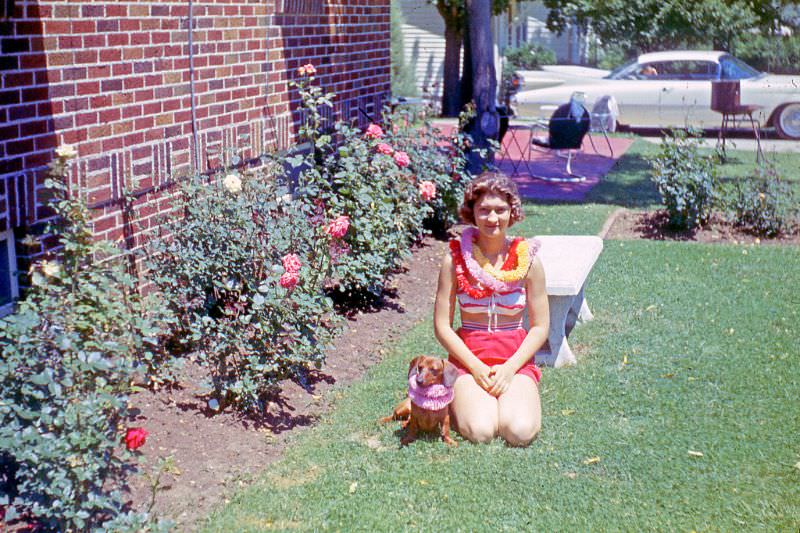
(465, 92)
(451, 96)
(484, 81)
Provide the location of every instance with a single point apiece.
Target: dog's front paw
(408, 439)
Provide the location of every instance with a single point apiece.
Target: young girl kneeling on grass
(494, 278)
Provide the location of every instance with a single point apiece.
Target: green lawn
(693, 350)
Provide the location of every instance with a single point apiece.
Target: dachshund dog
(427, 406)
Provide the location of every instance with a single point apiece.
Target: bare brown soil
(217, 453)
(653, 225)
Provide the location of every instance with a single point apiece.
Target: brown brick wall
(114, 80)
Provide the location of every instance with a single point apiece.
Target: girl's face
(492, 215)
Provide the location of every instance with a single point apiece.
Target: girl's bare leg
(520, 411)
(474, 411)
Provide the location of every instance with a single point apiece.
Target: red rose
(338, 227)
(289, 280)
(384, 148)
(402, 159)
(291, 263)
(374, 132)
(135, 438)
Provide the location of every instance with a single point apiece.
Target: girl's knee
(478, 431)
(520, 432)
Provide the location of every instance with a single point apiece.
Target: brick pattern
(114, 79)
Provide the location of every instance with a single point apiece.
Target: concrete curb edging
(610, 222)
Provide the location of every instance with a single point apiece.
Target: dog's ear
(450, 374)
(412, 366)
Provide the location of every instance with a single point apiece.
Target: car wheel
(787, 121)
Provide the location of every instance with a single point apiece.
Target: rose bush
(358, 185)
(763, 204)
(432, 158)
(686, 179)
(244, 273)
(69, 356)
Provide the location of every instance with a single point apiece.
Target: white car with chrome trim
(665, 89)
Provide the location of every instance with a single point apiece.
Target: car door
(637, 100)
(685, 94)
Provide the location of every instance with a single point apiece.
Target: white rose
(66, 151)
(232, 183)
(50, 268)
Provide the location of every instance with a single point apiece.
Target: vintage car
(665, 89)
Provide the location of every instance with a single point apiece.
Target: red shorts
(495, 348)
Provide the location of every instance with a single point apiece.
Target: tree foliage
(648, 25)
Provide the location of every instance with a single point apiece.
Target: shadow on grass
(628, 184)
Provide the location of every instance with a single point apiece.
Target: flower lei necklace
(469, 255)
(523, 263)
(475, 291)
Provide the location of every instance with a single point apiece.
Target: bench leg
(584, 314)
(578, 312)
(560, 352)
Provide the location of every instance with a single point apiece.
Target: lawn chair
(566, 129)
(604, 119)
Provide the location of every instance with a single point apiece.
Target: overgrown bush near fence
(686, 179)
(244, 270)
(70, 355)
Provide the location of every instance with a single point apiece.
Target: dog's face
(432, 371)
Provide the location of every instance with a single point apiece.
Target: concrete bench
(567, 261)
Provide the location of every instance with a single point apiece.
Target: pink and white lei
(433, 397)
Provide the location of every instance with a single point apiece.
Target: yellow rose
(50, 268)
(66, 151)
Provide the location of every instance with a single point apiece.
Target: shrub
(770, 53)
(435, 159)
(243, 269)
(364, 177)
(529, 56)
(685, 179)
(79, 339)
(762, 204)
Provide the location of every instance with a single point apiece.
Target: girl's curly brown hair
(495, 183)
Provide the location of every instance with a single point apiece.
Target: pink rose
(307, 70)
(291, 263)
(427, 190)
(401, 158)
(135, 438)
(338, 227)
(384, 148)
(374, 132)
(289, 280)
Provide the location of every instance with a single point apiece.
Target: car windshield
(736, 69)
(622, 72)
